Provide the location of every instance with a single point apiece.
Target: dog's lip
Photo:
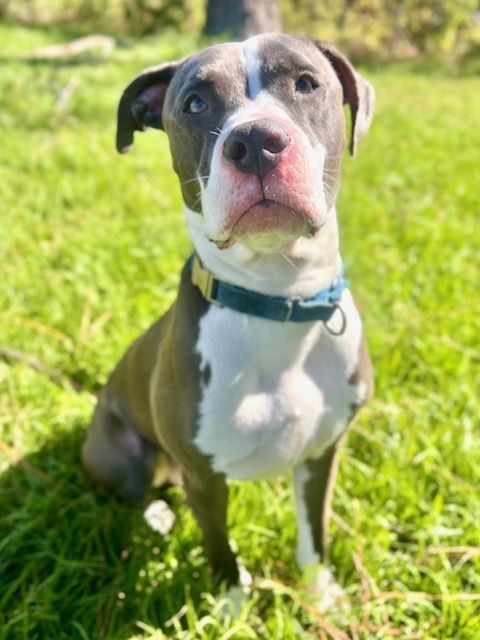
(270, 216)
(263, 213)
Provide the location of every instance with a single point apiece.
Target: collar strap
(295, 309)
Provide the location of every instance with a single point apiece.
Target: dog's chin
(269, 226)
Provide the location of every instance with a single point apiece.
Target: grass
(90, 250)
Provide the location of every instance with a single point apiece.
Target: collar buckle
(203, 279)
(291, 305)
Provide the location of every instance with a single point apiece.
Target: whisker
(330, 192)
(198, 199)
(195, 179)
(331, 175)
(330, 180)
(290, 262)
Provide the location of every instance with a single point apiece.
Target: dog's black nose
(256, 147)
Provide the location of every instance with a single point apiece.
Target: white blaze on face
(252, 63)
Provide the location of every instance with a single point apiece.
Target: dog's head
(256, 130)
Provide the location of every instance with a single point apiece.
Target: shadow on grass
(77, 563)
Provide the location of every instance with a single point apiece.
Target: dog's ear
(358, 93)
(141, 104)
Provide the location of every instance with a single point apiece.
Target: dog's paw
(159, 516)
(327, 594)
(238, 595)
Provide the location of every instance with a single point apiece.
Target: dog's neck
(300, 268)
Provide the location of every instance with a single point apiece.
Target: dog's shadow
(76, 562)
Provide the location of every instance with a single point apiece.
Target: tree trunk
(242, 18)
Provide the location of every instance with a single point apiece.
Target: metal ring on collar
(334, 332)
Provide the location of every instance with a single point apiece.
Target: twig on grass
(14, 458)
(65, 94)
(89, 328)
(430, 597)
(58, 377)
(391, 631)
(99, 44)
(41, 328)
(341, 524)
(465, 552)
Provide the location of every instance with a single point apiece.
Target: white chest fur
(277, 393)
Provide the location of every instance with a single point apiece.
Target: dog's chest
(273, 394)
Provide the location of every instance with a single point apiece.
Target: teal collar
(320, 307)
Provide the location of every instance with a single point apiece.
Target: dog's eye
(194, 104)
(305, 84)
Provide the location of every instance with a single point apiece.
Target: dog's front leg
(208, 498)
(314, 481)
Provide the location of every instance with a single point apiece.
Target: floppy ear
(141, 104)
(358, 93)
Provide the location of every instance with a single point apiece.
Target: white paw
(159, 516)
(238, 595)
(245, 577)
(328, 594)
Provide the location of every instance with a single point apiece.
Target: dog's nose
(255, 147)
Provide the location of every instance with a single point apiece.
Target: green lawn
(91, 244)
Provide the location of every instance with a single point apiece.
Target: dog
(261, 363)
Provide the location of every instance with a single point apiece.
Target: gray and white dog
(260, 364)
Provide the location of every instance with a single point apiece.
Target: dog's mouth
(272, 221)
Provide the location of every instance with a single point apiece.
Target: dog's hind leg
(115, 454)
